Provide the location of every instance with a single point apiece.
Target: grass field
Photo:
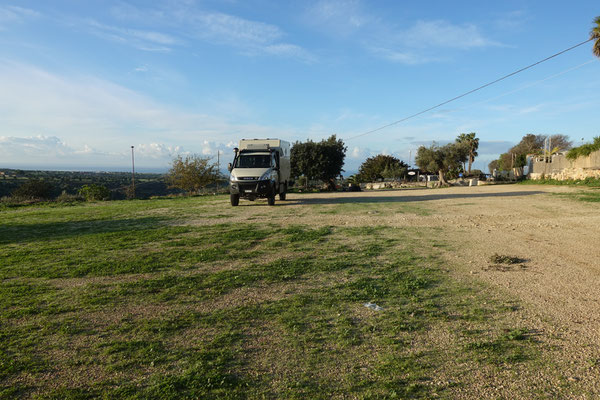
(176, 298)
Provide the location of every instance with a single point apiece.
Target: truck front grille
(247, 186)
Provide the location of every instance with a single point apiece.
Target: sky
(83, 81)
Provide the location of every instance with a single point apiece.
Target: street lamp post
(132, 174)
(218, 170)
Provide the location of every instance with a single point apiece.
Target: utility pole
(218, 170)
(132, 175)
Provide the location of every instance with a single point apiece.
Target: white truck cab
(260, 168)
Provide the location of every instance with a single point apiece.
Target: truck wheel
(235, 199)
(282, 195)
(271, 200)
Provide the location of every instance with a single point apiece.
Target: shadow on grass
(340, 198)
(20, 233)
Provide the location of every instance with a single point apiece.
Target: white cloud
(188, 21)
(47, 117)
(443, 34)
(423, 41)
(157, 151)
(290, 50)
(512, 21)
(233, 30)
(47, 152)
(140, 39)
(341, 17)
(401, 57)
(33, 146)
(14, 14)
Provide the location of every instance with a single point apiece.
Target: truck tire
(235, 199)
(282, 195)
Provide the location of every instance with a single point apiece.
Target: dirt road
(558, 236)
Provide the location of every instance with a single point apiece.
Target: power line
(470, 91)
(527, 86)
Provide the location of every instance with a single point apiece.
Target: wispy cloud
(33, 146)
(51, 151)
(140, 39)
(402, 57)
(421, 42)
(512, 21)
(426, 41)
(13, 14)
(443, 34)
(340, 17)
(190, 23)
(230, 29)
(55, 119)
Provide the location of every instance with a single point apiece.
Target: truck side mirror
(229, 167)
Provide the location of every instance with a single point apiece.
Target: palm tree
(595, 35)
(472, 144)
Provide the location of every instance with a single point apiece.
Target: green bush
(584, 150)
(302, 181)
(94, 192)
(589, 182)
(68, 198)
(34, 189)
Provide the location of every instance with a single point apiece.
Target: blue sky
(82, 81)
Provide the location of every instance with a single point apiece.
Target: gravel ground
(558, 237)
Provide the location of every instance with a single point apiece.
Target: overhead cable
(470, 91)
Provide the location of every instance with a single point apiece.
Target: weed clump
(504, 259)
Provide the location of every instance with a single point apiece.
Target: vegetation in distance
(381, 167)
(449, 161)
(322, 160)
(516, 156)
(584, 150)
(53, 183)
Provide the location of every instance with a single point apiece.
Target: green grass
(586, 196)
(167, 299)
(587, 182)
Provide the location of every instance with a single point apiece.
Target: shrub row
(584, 150)
(37, 190)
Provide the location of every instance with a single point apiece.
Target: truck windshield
(253, 161)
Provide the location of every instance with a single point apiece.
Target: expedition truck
(260, 168)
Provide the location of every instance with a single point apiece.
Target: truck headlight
(266, 176)
(232, 177)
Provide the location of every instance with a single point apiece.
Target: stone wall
(561, 168)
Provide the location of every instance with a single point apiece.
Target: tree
(494, 164)
(560, 143)
(471, 144)
(595, 35)
(303, 161)
(516, 156)
(381, 166)
(440, 159)
(323, 160)
(333, 153)
(94, 192)
(191, 173)
(34, 189)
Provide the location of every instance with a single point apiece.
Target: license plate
(248, 191)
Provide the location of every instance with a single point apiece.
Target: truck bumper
(251, 188)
